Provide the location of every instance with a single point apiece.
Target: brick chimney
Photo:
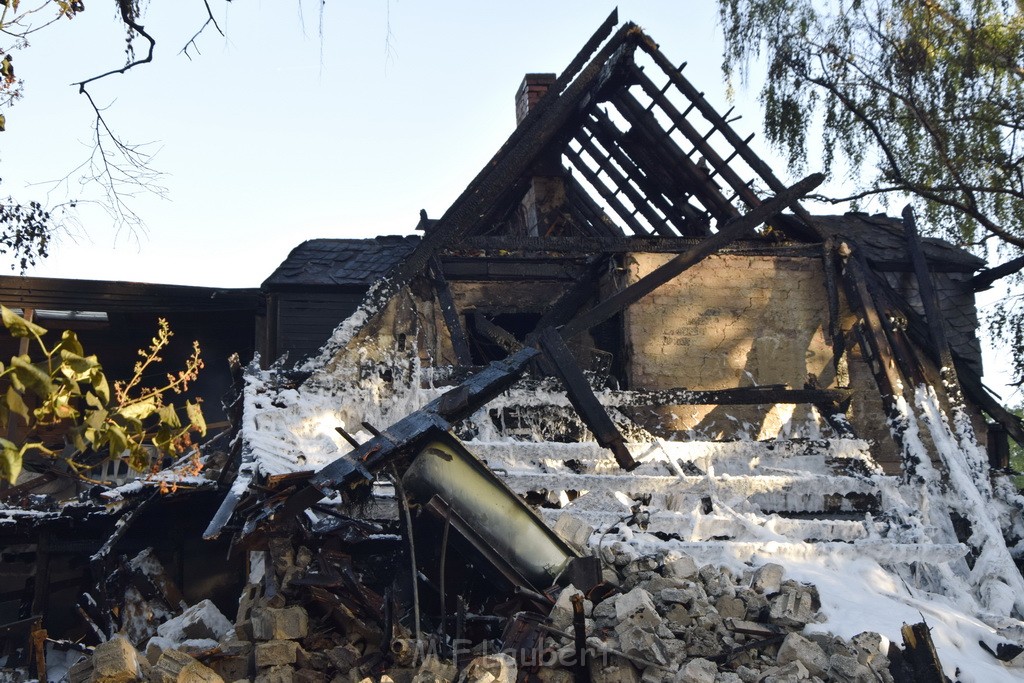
(533, 87)
(542, 206)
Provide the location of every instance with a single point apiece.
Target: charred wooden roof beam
(621, 179)
(700, 142)
(695, 181)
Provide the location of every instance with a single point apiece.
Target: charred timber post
(882, 360)
(583, 399)
(932, 308)
(730, 232)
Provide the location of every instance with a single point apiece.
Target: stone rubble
(668, 621)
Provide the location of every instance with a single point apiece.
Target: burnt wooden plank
(609, 194)
(986, 278)
(497, 334)
(696, 180)
(685, 219)
(622, 183)
(583, 399)
(731, 397)
(603, 226)
(932, 309)
(881, 359)
(695, 138)
(452, 319)
(357, 467)
(729, 232)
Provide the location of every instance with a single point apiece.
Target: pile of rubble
(314, 617)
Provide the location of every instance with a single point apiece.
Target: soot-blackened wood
(696, 139)
(607, 193)
(622, 184)
(583, 399)
(603, 226)
(726, 131)
(732, 397)
(932, 309)
(696, 179)
(575, 298)
(496, 333)
(986, 278)
(450, 314)
(601, 129)
(919, 653)
(881, 359)
(729, 232)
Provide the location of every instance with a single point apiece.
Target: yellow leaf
(18, 326)
(195, 417)
(10, 461)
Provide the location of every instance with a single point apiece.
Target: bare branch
(129, 21)
(209, 20)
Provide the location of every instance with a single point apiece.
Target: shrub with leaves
(68, 390)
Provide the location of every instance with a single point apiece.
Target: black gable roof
(341, 262)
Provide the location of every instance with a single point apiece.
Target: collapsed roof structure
(630, 322)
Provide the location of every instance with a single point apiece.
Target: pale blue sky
(272, 135)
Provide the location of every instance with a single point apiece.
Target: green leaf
(138, 411)
(10, 461)
(169, 416)
(76, 367)
(18, 326)
(69, 341)
(31, 376)
(117, 439)
(100, 386)
(16, 404)
(93, 401)
(195, 417)
(95, 418)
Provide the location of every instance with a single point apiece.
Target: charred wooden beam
(601, 225)
(730, 397)
(573, 300)
(722, 126)
(686, 219)
(622, 184)
(583, 399)
(932, 309)
(881, 359)
(607, 193)
(699, 141)
(986, 278)
(452, 320)
(698, 182)
(919, 653)
(729, 232)
(356, 469)
(496, 333)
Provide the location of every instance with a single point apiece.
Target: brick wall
(738, 320)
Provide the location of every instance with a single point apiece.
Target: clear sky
(279, 133)
(296, 126)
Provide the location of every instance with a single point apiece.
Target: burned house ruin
(626, 343)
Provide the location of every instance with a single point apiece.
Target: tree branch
(209, 20)
(130, 22)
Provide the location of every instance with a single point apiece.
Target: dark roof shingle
(341, 262)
